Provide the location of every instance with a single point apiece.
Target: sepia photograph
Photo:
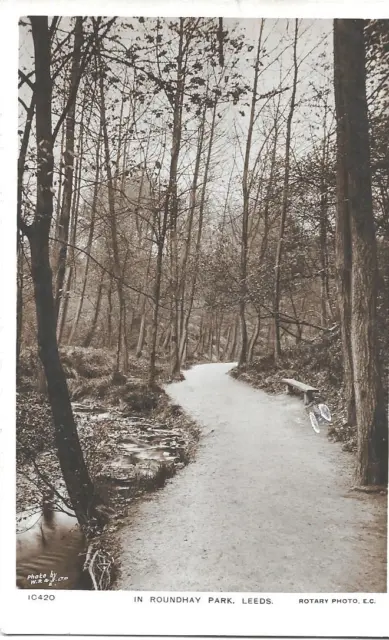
(202, 289)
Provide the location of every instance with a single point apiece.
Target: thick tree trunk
(75, 473)
(350, 74)
(343, 246)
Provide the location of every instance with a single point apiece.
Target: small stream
(141, 455)
(48, 552)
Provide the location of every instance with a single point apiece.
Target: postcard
(195, 319)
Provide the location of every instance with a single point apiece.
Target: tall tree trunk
(112, 215)
(173, 208)
(323, 228)
(188, 239)
(142, 328)
(370, 402)
(246, 182)
(89, 244)
(74, 220)
(285, 204)
(343, 247)
(64, 220)
(63, 310)
(192, 289)
(78, 483)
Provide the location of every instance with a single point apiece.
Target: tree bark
(245, 213)
(173, 207)
(112, 220)
(350, 75)
(285, 205)
(75, 473)
(64, 220)
(343, 248)
(169, 217)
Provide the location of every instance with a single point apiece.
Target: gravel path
(265, 506)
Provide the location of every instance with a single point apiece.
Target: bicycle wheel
(314, 422)
(325, 412)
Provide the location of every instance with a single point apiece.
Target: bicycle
(319, 414)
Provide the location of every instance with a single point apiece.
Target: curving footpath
(265, 506)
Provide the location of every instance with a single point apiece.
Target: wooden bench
(306, 389)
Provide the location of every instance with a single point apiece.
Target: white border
(105, 613)
(115, 612)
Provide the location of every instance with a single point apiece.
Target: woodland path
(264, 507)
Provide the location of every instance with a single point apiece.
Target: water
(49, 552)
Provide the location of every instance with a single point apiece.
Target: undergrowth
(318, 363)
(93, 383)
